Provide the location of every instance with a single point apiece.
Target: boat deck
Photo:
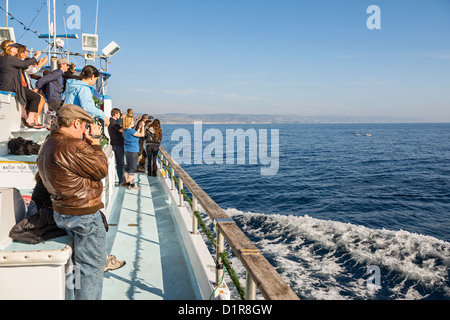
(142, 232)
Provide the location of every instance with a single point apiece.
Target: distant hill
(184, 118)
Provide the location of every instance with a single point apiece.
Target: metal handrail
(260, 273)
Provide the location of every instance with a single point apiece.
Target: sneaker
(113, 263)
(133, 187)
(124, 184)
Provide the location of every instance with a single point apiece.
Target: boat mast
(52, 31)
(54, 24)
(49, 26)
(7, 10)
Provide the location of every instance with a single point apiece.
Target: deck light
(7, 34)
(111, 49)
(89, 42)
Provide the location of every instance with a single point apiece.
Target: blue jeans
(89, 251)
(119, 155)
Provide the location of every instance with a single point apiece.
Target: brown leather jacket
(71, 170)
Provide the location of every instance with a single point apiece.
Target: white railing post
(250, 287)
(219, 263)
(166, 171)
(172, 187)
(194, 217)
(180, 191)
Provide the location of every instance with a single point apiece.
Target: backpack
(20, 146)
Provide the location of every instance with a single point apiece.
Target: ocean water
(345, 216)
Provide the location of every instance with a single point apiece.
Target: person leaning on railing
(11, 78)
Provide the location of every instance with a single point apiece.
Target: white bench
(29, 271)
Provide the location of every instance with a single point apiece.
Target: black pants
(119, 153)
(55, 105)
(33, 100)
(152, 154)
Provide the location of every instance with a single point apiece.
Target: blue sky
(267, 56)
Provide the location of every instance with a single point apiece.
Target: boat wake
(323, 259)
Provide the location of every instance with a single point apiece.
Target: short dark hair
(115, 111)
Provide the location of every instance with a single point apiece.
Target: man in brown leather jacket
(71, 169)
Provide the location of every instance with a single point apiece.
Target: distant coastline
(234, 118)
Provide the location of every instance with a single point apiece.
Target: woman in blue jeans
(131, 138)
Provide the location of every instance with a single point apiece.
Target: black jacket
(11, 76)
(37, 228)
(150, 137)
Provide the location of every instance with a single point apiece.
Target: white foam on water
(323, 259)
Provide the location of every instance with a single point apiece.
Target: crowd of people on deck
(71, 163)
(135, 140)
(139, 137)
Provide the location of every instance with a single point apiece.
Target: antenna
(96, 19)
(54, 24)
(49, 25)
(67, 39)
(7, 10)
